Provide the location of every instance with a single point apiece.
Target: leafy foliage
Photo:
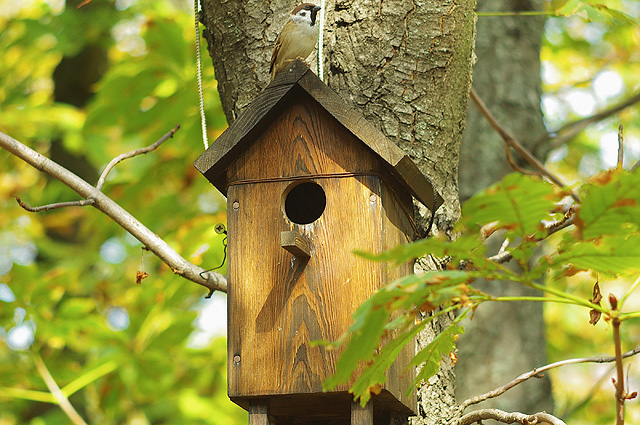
(595, 12)
(515, 209)
(123, 353)
(126, 354)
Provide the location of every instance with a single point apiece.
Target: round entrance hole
(305, 202)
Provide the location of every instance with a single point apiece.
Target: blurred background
(82, 85)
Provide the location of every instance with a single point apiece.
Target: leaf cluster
(522, 210)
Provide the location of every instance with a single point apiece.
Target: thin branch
(619, 381)
(517, 13)
(503, 255)
(103, 176)
(122, 157)
(55, 390)
(81, 203)
(516, 166)
(569, 131)
(513, 143)
(537, 373)
(210, 280)
(509, 417)
(620, 148)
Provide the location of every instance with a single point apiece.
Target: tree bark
(507, 339)
(405, 64)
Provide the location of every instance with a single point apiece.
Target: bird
(297, 39)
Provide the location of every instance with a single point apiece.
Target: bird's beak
(314, 13)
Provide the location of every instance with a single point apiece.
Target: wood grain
(278, 303)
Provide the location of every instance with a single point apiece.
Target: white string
(203, 119)
(320, 42)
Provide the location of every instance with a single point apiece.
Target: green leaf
(610, 255)
(365, 337)
(440, 246)
(610, 205)
(392, 308)
(595, 12)
(440, 348)
(375, 373)
(518, 203)
(77, 307)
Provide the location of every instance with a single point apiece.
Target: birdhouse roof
(297, 76)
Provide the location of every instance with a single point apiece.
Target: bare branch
(513, 143)
(81, 203)
(210, 280)
(503, 255)
(569, 131)
(620, 148)
(509, 418)
(55, 390)
(618, 382)
(516, 166)
(122, 157)
(537, 372)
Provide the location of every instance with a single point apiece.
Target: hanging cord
(320, 42)
(196, 14)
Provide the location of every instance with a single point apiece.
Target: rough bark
(503, 340)
(405, 64)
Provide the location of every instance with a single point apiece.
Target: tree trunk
(503, 340)
(405, 64)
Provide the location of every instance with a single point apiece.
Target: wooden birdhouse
(308, 180)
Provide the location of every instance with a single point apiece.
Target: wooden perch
(296, 243)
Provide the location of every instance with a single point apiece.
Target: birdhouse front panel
(306, 177)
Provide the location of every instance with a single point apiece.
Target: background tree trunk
(503, 340)
(406, 65)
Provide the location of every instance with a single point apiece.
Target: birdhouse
(308, 180)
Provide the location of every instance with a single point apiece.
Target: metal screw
(372, 198)
(236, 358)
(236, 205)
(220, 229)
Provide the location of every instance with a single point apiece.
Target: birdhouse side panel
(303, 140)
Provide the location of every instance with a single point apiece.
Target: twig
(503, 255)
(513, 143)
(536, 373)
(55, 390)
(569, 131)
(504, 246)
(619, 381)
(122, 157)
(509, 417)
(620, 148)
(210, 280)
(515, 166)
(81, 203)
